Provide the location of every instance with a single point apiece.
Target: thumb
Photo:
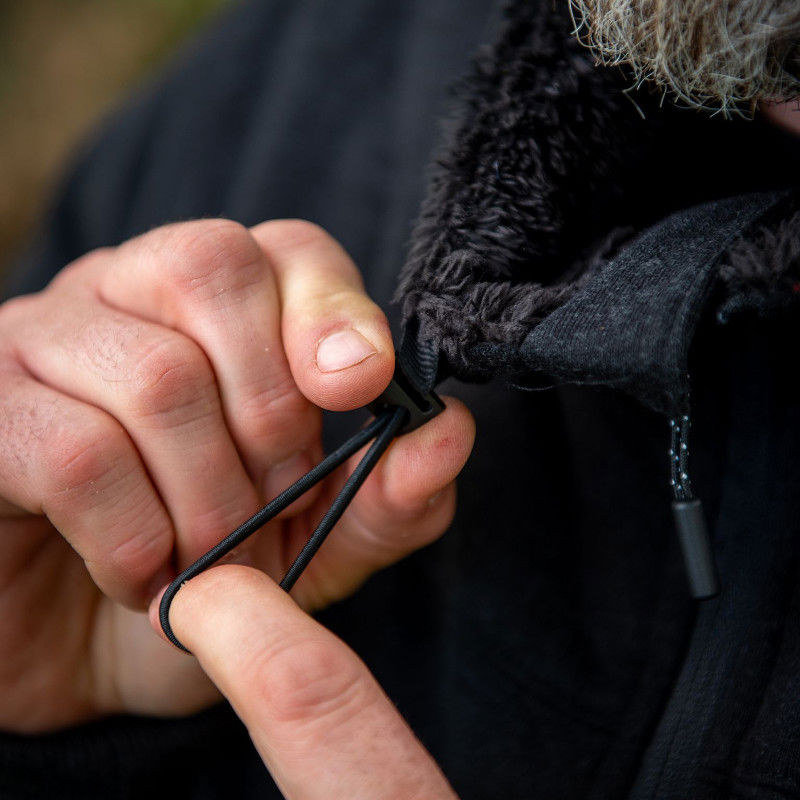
(337, 341)
(316, 715)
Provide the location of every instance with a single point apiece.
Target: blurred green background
(63, 64)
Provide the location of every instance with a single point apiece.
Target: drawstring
(402, 407)
(394, 421)
(679, 458)
(687, 513)
(405, 405)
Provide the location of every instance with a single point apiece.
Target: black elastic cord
(353, 484)
(384, 427)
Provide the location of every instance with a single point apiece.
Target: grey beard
(722, 55)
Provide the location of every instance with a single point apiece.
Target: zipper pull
(690, 521)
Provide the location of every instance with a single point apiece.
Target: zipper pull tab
(698, 557)
(690, 521)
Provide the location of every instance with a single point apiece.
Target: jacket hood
(548, 168)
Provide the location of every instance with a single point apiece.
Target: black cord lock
(402, 392)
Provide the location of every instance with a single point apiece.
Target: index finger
(316, 715)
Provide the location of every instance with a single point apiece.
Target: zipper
(688, 515)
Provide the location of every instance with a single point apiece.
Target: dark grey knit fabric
(631, 327)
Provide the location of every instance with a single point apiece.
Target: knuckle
(207, 526)
(280, 412)
(141, 548)
(90, 469)
(79, 459)
(173, 376)
(309, 681)
(343, 303)
(211, 257)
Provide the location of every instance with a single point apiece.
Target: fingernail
(343, 349)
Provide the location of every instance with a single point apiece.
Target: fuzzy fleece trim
(502, 239)
(761, 273)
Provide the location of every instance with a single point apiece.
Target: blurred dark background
(63, 64)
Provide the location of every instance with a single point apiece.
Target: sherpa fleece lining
(522, 197)
(504, 194)
(761, 273)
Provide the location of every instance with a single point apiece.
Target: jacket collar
(523, 254)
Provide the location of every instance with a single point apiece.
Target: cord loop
(401, 408)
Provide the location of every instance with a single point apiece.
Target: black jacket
(547, 647)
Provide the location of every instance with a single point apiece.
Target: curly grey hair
(720, 54)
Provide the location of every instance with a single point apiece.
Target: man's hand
(323, 726)
(154, 396)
